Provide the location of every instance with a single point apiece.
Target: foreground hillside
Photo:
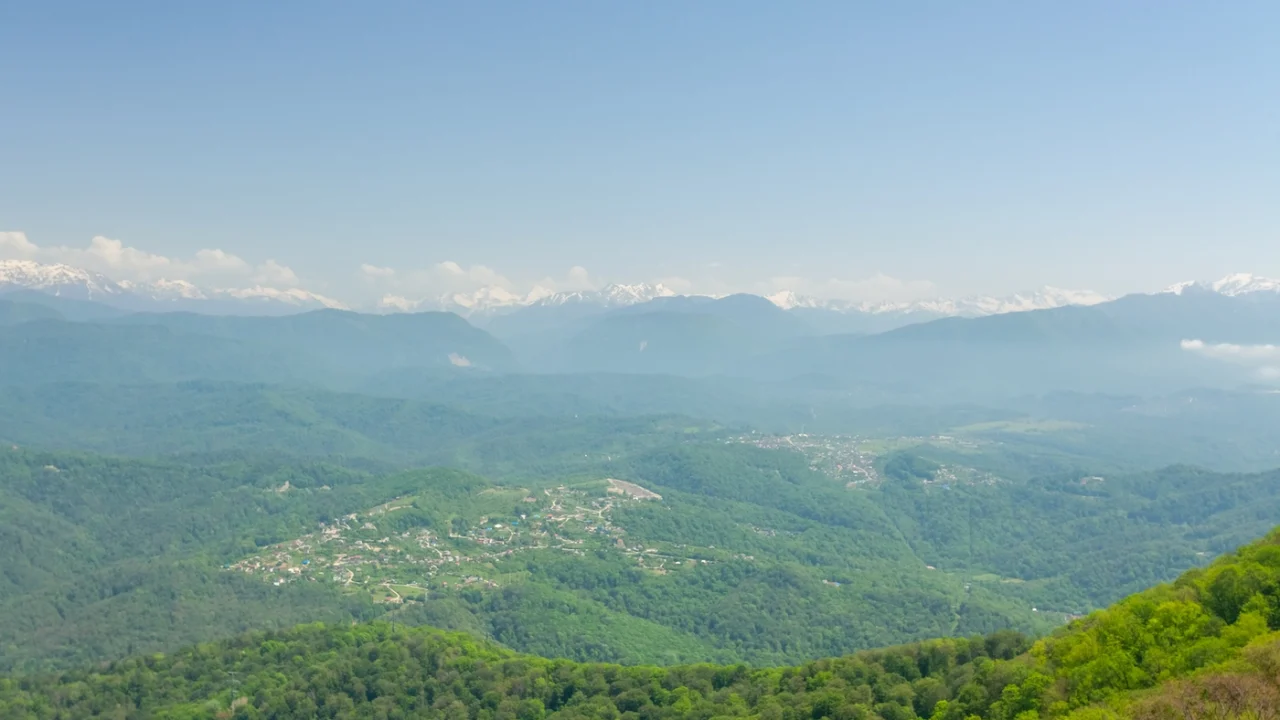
(1202, 647)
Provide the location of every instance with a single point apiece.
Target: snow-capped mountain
(496, 300)
(61, 280)
(1231, 285)
(974, 306)
(612, 295)
(486, 300)
(297, 297)
(165, 290)
(161, 295)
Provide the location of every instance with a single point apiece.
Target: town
(393, 552)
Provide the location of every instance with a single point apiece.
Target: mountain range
(74, 283)
(1214, 334)
(485, 303)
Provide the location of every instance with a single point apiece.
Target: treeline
(381, 671)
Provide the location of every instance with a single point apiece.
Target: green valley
(669, 546)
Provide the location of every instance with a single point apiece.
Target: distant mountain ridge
(61, 280)
(66, 281)
(611, 295)
(826, 315)
(493, 300)
(1046, 298)
(1231, 285)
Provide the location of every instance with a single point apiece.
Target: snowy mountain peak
(1244, 284)
(1045, 298)
(1231, 285)
(297, 297)
(612, 295)
(496, 299)
(56, 279)
(788, 300)
(73, 282)
(1179, 288)
(165, 290)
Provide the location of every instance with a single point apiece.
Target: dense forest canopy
(1188, 647)
(751, 553)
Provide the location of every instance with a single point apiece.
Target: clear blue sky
(979, 146)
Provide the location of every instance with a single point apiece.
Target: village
(379, 552)
(853, 460)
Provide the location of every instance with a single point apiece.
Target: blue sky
(857, 149)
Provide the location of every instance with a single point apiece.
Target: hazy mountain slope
(68, 308)
(660, 342)
(1131, 345)
(680, 335)
(328, 347)
(52, 351)
(224, 419)
(743, 309)
(1137, 320)
(351, 342)
(692, 335)
(15, 312)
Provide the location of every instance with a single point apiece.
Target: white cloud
(16, 246)
(273, 273)
(374, 271)
(476, 275)
(107, 255)
(1231, 351)
(450, 267)
(1263, 359)
(111, 257)
(578, 279)
(220, 259)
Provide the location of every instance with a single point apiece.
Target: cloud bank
(1264, 360)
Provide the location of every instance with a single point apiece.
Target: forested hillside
(743, 554)
(416, 417)
(1204, 647)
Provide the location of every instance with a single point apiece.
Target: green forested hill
(404, 417)
(214, 418)
(102, 555)
(1204, 647)
(380, 671)
(749, 555)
